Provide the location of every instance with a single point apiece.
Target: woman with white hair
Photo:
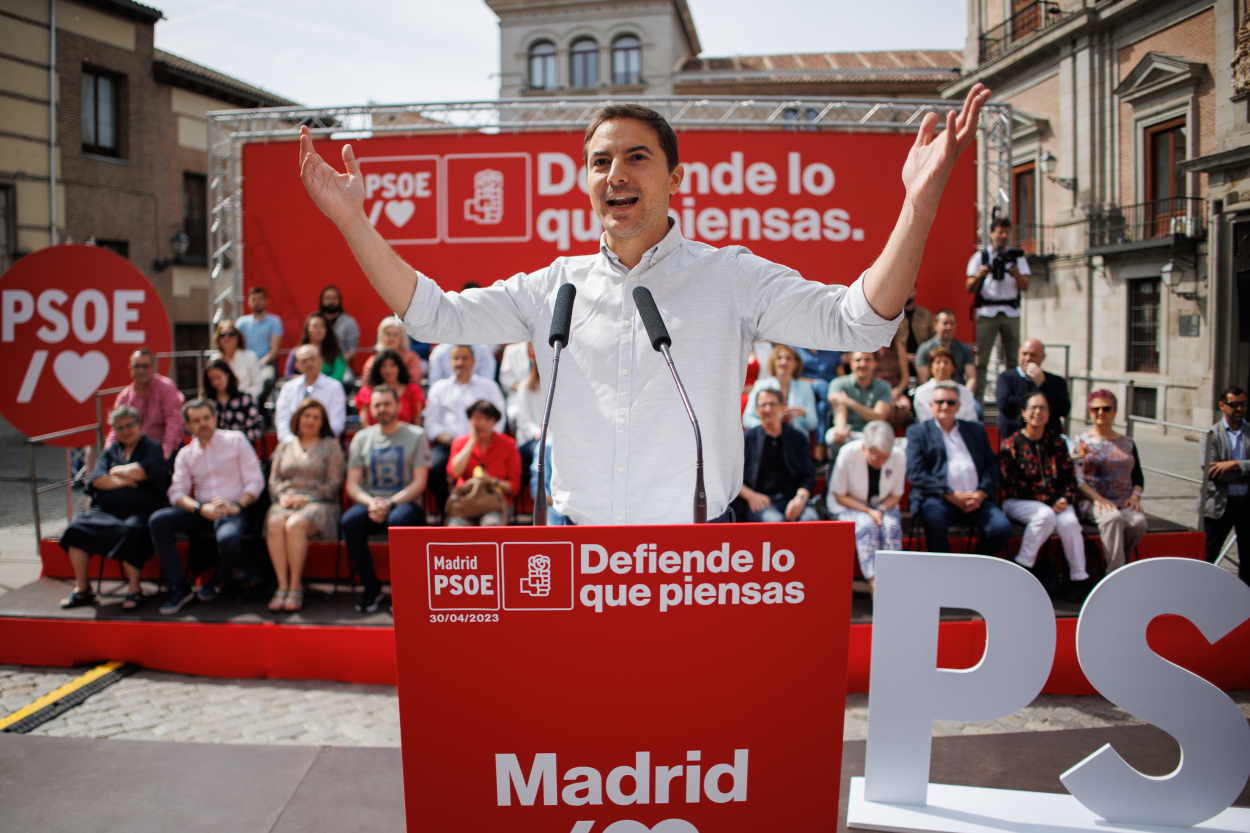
(393, 336)
(865, 488)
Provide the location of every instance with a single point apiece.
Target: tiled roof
(127, 8)
(175, 69)
(891, 65)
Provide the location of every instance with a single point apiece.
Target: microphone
(660, 341)
(561, 323)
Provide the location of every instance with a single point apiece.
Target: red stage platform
(329, 641)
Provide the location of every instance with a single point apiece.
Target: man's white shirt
(624, 451)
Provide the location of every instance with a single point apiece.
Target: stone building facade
(1128, 184)
(561, 48)
(103, 139)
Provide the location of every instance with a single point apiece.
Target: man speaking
(623, 453)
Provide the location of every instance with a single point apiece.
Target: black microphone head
(656, 330)
(562, 315)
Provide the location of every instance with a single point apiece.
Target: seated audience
(262, 335)
(1039, 488)
(158, 401)
(784, 368)
(554, 518)
(953, 475)
(483, 460)
(389, 369)
(856, 399)
(942, 369)
(305, 476)
(236, 410)
(318, 333)
(894, 368)
(778, 474)
(127, 485)
(820, 367)
(441, 364)
(387, 467)
(1226, 479)
(1109, 476)
(916, 326)
(525, 411)
(392, 336)
(446, 408)
(964, 360)
(346, 330)
(865, 488)
(216, 478)
(310, 383)
(227, 340)
(1016, 385)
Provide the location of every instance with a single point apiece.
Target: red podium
(671, 679)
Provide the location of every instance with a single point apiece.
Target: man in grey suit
(1226, 479)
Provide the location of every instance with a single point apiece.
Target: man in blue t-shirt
(262, 334)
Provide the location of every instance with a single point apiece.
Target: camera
(1003, 260)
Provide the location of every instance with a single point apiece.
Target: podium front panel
(674, 679)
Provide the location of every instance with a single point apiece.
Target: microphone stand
(540, 490)
(700, 494)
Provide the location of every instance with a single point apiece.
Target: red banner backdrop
(671, 679)
(482, 207)
(70, 316)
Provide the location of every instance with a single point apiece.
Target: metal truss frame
(230, 130)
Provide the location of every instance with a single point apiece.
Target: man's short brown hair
(649, 117)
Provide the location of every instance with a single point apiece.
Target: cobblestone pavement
(150, 705)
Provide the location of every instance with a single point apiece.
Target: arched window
(584, 64)
(626, 60)
(543, 66)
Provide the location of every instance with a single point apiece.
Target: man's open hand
(932, 157)
(340, 196)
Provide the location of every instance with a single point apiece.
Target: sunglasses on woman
(1098, 409)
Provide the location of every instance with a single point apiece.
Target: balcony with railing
(1143, 224)
(996, 42)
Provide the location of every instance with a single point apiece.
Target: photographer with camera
(996, 277)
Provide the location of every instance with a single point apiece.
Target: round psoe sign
(70, 316)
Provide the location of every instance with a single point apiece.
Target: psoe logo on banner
(538, 575)
(463, 576)
(401, 197)
(70, 316)
(488, 197)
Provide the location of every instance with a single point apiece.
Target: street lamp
(1049, 164)
(179, 244)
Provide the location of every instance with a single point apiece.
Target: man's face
(945, 326)
(999, 235)
(629, 180)
(258, 302)
(462, 363)
(308, 362)
(769, 409)
(383, 408)
(201, 423)
(1233, 407)
(141, 369)
(863, 366)
(127, 430)
(330, 300)
(1032, 351)
(945, 405)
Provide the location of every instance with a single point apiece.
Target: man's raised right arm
(341, 197)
